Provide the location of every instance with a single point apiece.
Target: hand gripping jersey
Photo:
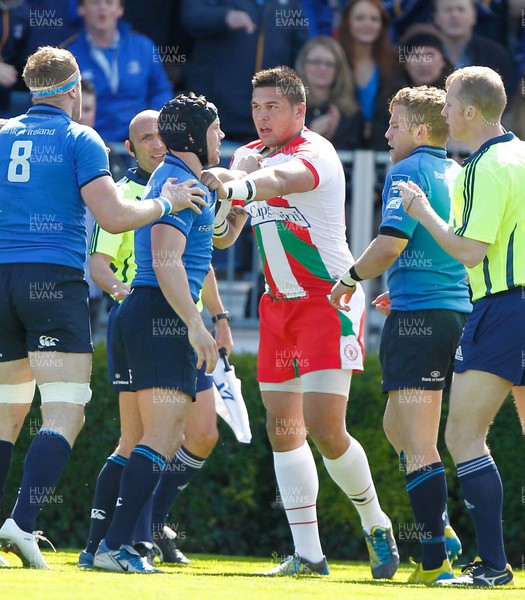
(302, 237)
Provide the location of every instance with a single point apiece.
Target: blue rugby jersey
(198, 230)
(424, 276)
(45, 160)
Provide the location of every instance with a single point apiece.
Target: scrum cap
(183, 123)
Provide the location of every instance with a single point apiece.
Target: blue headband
(54, 90)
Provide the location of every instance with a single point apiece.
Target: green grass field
(222, 578)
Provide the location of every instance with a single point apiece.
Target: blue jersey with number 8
(45, 160)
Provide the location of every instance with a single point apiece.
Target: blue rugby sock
(139, 479)
(45, 460)
(483, 493)
(427, 490)
(6, 455)
(106, 494)
(182, 468)
(143, 531)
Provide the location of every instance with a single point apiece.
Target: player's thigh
(202, 418)
(519, 399)
(475, 398)
(49, 366)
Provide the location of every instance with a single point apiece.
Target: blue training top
(198, 230)
(45, 160)
(424, 276)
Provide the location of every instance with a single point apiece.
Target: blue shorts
(494, 337)
(150, 346)
(43, 307)
(204, 381)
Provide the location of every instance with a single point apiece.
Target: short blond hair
(481, 87)
(49, 66)
(424, 103)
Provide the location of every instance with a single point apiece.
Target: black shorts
(150, 346)
(43, 307)
(418, 347)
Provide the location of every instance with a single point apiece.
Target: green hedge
(232, 507)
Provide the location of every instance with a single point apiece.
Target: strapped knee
(65, 391)
(18, 393)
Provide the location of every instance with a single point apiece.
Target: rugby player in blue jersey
(488, 237)
(430, 304)
(49, 167)
(160, 339)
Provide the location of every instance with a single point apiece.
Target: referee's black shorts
(418, 347)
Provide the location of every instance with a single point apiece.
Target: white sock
(352, 474)
(298, 486)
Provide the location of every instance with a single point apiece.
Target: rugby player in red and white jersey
(291, 183)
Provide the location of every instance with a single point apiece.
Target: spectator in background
(422, 56)
(323, 15)
(162, 23)
(332, 109)
(492, 17)
(233, 40)
(364, 35)
(456, 20)
(125, 67)
(14, 29)
(51, 22)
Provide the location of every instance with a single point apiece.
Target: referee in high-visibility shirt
(488, 237)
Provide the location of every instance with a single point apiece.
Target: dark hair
(88, 87)
(284, 78)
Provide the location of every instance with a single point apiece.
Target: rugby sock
(139, 479)
(45, 460)
(483, 492)
(182, 468)
(298, 486)
(352, 474)
(6, 455)
(143, 530)
(427, 490)
(106, 494)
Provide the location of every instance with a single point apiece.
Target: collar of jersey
(132, 175)
(46, 109)
(434, 150)
(175, 160)
(506, 137)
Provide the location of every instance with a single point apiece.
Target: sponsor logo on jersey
(459, 354)
(261, 212)
(393, 204)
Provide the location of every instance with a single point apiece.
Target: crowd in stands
(353, 56)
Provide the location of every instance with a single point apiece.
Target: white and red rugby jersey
(301, 237)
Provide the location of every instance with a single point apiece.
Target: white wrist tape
(348, 280)
(240, 189)
(221, 229)
(165, 205)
